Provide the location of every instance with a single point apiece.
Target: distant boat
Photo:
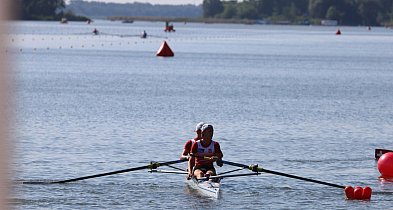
(169, 27)
(64, 20)
(380, 152)
(127, 21)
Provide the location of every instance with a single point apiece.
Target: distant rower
(95, 31)
(144, 35)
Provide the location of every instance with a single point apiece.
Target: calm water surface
(296, 99)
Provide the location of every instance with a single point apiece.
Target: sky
(173, 2)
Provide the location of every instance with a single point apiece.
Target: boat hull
(206, 188)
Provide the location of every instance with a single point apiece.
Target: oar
(351, 193)
(168, 172)
(255, 168)
(152, 165)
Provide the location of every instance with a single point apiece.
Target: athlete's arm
(186, 151)
(191, 160)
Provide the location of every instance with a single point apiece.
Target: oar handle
(235, 164)
(199, 156)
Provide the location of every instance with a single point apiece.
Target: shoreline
(182, 19)
(223, 21)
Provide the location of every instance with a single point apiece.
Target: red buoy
(385, 164)
(358, 193)
(349, 192)
(367, 193)
(165, 50)
(338, 32)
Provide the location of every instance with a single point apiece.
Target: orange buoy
(367, 193)
(338, 32)
(165, 50)
(385, 164)
(349, 192)
(358, 193)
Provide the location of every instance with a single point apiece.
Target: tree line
(45, 10)
(57, 9)
(346, 12)
(104, 10)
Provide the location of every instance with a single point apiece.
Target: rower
(187, 147)
(95, 31)
(204, 153)
(144, 35)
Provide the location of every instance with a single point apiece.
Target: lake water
(295, 99)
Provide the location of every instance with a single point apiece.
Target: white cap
(206, 126)
(199, 126)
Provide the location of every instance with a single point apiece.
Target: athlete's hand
(219, 162)
(214, 158)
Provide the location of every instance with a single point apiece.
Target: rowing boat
(211, 188)
(206, 187)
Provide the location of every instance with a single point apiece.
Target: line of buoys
(165, 50)
(91, 36)
(358, 193)
(40, 45)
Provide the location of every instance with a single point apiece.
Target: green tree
(291, 11)
(246, 10)
(316, 8)
(368, 10)
(41, 9)
(230, 10)
(332, 13)
(264, 7)
(348, 11)
(211, 8)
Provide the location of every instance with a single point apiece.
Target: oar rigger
(255, 168)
